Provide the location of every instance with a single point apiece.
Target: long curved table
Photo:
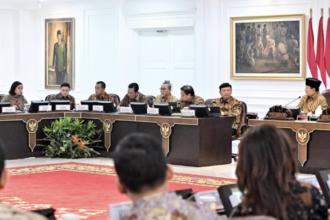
(312, 139)
(185, 141)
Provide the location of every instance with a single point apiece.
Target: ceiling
(30, 4)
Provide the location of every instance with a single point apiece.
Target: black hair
(13, 87)
(224, 85)
(140, 162)
(168, 83)
(2, 158)
(102, 84)
(135, 86)
(188, 90)
(65, 85)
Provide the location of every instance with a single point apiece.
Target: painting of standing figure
(268, 47)
(59, 57)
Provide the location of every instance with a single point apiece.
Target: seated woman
(266, 172)
(15, 96)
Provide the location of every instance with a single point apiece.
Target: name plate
(45, 108)
(97, 108)
(153, 111)
(9, 109)
(277, 114)
(62, 107)
(82, 108)
(119, 211)
(126, 110)
(188, 113)
(325, 117)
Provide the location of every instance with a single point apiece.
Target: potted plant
(71, 138)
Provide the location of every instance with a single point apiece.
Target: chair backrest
(326, 94)
(151, 99)
(243, 113)
(1, 96)
(48, 97)
(208, 101)
(117, 98)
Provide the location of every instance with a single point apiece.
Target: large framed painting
(59, 52)
(268, 47)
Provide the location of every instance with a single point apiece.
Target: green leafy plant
(71, 138)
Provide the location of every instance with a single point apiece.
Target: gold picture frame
(268, 47)
(59, 52)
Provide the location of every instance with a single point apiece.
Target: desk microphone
(293, 101)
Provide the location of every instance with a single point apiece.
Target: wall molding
(169, 20)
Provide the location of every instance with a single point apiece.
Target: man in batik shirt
(143, 176)
(100, 93)
(310, 102)
(229, 105)
(188, 97)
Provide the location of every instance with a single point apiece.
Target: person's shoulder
(304, 98)
(8, 212)
(321, 97)
(71, 97)
(234, 100)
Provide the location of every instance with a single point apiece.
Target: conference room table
(185, 141)
(311, 138)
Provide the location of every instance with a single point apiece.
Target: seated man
(229, 105)
(188, 97)
(166, 95)
(6, 211)
(64, 95)
(133, 95)
(100, 93)
(143, 176)
(310, 102)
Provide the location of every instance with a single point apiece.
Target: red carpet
(81, 188)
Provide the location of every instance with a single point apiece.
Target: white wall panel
(100, 50)
(7, 51)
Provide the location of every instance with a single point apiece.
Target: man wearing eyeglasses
(166, 95)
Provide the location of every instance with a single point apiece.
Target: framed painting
(268, 47)
(59, 52)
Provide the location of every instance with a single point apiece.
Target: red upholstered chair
(326, 94)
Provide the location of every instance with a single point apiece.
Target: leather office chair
(208, 102)
(48, 97)
(150, 100)
(243, 126)
(116, 98)
(326, 94)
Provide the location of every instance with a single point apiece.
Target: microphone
(293, 101)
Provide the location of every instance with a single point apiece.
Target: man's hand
(64, 68)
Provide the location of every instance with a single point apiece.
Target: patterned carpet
(84, 189)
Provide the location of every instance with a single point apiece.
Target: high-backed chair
(208, 102)
(326, 94)
(116, 98)
(243, 126)
(48, 97)
(151, 99)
